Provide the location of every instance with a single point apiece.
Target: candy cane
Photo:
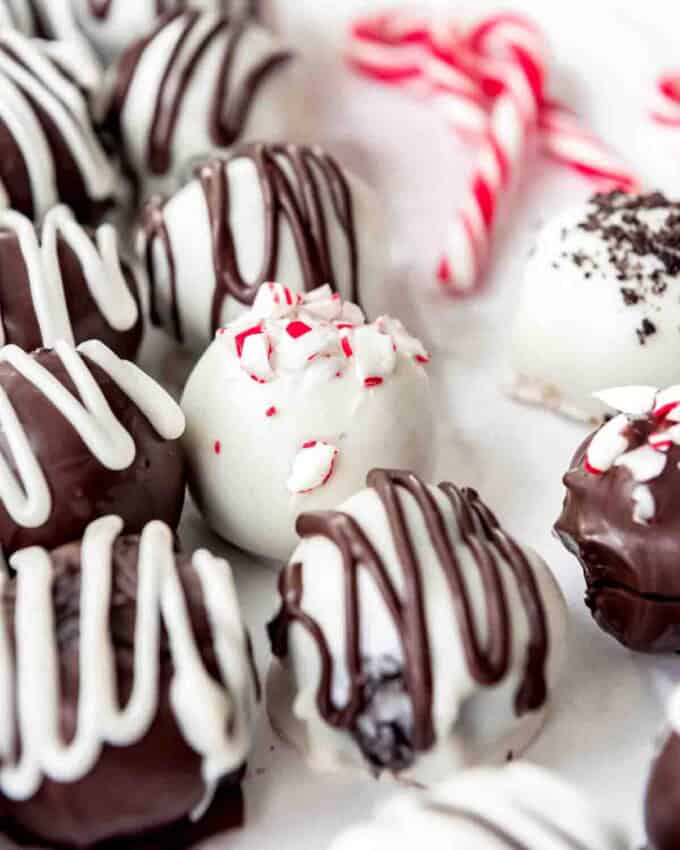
(500, 98)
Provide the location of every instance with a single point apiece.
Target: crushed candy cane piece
(607, 445)
(312, 467)
(271, 411)
(643, 463)
(241, 337)
(274, 301)
(668, 404)
(644, 505)
(374, 354)
(255, 357)
(297, 329)
(634, 400)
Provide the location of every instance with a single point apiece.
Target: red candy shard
(422, 359)
(297, 329)
(373, 382)
(444, 271)
(662, 412)
(218, 447)
(271, 411)
(347, 347)
(309, 444)
(240, 339)
(591, 469)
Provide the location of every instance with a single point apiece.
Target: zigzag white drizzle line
(40, 77)
(28, 501)
(100, 265)
(215, 718)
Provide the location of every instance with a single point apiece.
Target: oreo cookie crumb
(646, 330)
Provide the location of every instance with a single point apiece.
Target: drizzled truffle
(662, 813)
(111, 25)
(621, 519)
(269, 212)
(292, 405)
(200, 82)
(51, 152)
(521, 807)
(128, 693)
(599, 304)
(83, 433)
(414, 636)
(64, 281)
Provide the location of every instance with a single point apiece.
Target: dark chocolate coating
(81, 488)
(631, 568)
(662, 812)
(132, 790)
(17, 312)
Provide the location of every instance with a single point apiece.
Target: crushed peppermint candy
(639, 439)
(313, 467)
(316, 332)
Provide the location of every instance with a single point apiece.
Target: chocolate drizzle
(293, 181)
(231, 101)
(487, 544)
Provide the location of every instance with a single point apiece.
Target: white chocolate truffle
(270, 212)
(415, 636)
(520, 806)
(51, 151)
(599, 304)
(203, 82)
(292, 405)
(112, 25)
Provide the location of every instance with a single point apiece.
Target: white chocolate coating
(586, 321)
(473, 716)
(26, 494)
(250, 416)
(181, 261)
(278, 108)
(519, 807)
(124, 22)
(216, 718)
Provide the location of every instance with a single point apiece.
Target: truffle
(599, 303)
(83, 433)
(414, 636)
(50, 150)
(662, 812)
(64, 281)
(200, 82)
(112, 25)
(621, 519)
(269, 212)
(521, 807)
(128, 691)
(292, 405)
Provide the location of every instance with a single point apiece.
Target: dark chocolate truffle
(621, 518)
(49, 149)
(82, 434)
(65, 281)
(122, 725)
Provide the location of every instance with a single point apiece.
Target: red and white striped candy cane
(666, 108)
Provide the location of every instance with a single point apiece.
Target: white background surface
(607, 714)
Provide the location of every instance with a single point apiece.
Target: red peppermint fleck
(258, 380)
(373, 382)
(218, 447)
(661, 445)
(422, 358)
(662, 412)
(444, 271)
(309, 444)
(347, 347)
(591, 469)
(271, 411)
(243, 336)
(343, 326)
(297, 329)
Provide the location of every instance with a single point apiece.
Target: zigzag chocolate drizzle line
(486, 542)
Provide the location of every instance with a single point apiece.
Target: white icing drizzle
(100, 265)
(215, 718)
(36, 72)
(28, 500)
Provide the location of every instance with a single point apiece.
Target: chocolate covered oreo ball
(621, 520)
(64, 281)
(83, 433)
(415, 637)
(269, 212)
(662, 813)
(201, 82)
(128, 697)
(599, 304)
(293, 404)
(521, 807)
(50, 150)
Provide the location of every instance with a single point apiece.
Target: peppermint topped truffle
(293, 404)
(621, 517)
(521, 807)
(663, 792)
(128, 694)
(415, 637)
(269, 212)
(599, 302)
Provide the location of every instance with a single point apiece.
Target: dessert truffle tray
(606, 712)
